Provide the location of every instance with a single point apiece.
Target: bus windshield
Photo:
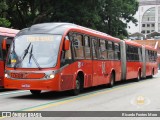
(34, 51)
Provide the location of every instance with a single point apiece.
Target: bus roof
(133, 43)
(150, 47)
(57, 28)
(8, 32)
(139, 45)
(48, 28)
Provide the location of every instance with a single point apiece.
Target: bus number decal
(25, 86)
(80, 64)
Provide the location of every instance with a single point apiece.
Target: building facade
(148, 16)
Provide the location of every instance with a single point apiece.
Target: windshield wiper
(24, 55)
(32, 56)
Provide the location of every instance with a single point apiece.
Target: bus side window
(94, 48)
(147, 56)
(103, 50)
(156, 56)
(152, 56)
(117, 51)
(4, 52)
(66, 56)
(129, 53)
(77, 43)
(136, 54)
(87, 49)
(110, 50)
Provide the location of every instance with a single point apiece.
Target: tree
(116, 14)
(3, 21)
(109, 16)
(27, 12)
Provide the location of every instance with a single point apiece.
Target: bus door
(97, 64)
(81, 49)
(87, 62)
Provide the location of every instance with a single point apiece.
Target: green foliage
(109, 16)
(4, 22)
(116, 15)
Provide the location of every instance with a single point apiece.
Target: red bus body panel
(65, 80)
(132, 72)
(151, 65)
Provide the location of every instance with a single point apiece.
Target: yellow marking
(13, 61)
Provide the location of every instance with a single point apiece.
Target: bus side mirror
(4, 44)
(66, 45)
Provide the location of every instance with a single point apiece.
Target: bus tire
(35, 92)
(112, 80)
(77, 89)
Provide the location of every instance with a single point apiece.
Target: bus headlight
(6, 75)
(51, 76)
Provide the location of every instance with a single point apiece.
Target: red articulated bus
(144, 59)
(151, 62)
(65, 56)
(6, 36)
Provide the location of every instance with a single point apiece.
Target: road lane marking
(79, 97)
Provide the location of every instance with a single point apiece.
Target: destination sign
(39, 38)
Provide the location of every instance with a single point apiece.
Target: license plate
(17, 75)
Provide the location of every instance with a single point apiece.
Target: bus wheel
(112, 80)
(35, 92)
(77, 89)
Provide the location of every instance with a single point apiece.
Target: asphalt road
(129, 96)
